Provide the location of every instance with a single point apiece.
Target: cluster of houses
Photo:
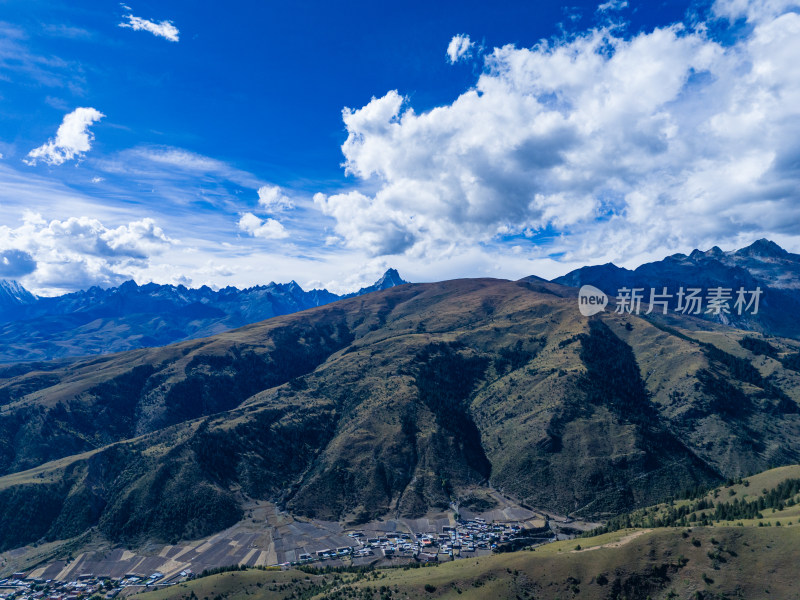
(21, 587)
(467, 538)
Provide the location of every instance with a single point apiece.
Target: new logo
(591, 300)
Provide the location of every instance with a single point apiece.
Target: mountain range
(99, 321)
(399, 402)
(763, 265)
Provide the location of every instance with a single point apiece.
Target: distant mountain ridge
(98, 321)
(762, 264)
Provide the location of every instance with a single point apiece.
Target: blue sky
(202, 143)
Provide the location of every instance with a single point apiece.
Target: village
(22, 587)
(464, 539)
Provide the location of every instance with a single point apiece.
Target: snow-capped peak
(13, 294)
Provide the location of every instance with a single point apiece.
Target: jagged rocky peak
(763, 248)
(12, 293)
(390, 279)
(715, 252)
(128, 286)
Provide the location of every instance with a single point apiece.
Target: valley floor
(270, 537)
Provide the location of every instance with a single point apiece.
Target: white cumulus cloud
(272, 199)
(460, 47)
(73, 138)
(612, 5)
(79, 252)
(269, 229)
(611, 146)
(754, 10)
(164, 29)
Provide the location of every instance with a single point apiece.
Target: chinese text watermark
(714, 301)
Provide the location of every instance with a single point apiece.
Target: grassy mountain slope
(396, 402)
(655, 564)
(711, 563)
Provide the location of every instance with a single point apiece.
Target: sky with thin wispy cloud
(245, 142)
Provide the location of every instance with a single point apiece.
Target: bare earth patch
(618, 543)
